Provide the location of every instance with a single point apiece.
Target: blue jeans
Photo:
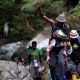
(57, 68)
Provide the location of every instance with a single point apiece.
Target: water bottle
(35, 62)
(49, 75)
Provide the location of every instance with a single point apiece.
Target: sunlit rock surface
(9, 49)
(11, 71)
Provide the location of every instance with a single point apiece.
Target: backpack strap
(66, 28)
(79, 39)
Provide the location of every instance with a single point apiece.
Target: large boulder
(11, 71)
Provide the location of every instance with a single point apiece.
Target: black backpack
(65, 28)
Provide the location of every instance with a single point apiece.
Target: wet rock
(11, 71)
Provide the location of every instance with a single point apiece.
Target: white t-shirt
(59, 32)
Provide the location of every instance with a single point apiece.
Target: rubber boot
(74, 77)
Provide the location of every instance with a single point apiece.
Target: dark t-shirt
(76, 49)
(65, 27)
(56, 52)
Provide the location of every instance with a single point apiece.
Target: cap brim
(61, 19)
(74, 36)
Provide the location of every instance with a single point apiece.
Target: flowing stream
(42, 38)
(10, 70)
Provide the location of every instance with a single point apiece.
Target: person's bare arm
(61, 37)
(48, 51)
(64, 38)
(50, 47)
(43, 15)
(67, 38)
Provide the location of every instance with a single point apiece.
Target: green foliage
(24, 19)
(74, 21)
(18, 33)
(7, 10)
(29, 5)
(77, 10)
(16, 30)
(6, 3)
(74, 17)
(57, 7)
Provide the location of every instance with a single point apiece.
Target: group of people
(63, 42)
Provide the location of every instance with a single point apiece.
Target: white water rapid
(42, 38)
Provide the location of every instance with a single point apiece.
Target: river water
(9, 69)
(42, 38)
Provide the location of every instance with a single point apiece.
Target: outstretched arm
(43, 15)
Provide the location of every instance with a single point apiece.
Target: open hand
(37, 5)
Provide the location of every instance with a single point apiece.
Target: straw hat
(61, 18)
(73, 34)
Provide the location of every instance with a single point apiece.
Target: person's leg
(52, 71)
(50, 46)
(60, 72)
(57, 72)
(60, 67)
(32, 72)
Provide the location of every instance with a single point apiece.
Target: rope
(24, 76)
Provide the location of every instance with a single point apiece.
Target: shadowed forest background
(23, 18)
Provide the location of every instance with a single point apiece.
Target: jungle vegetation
(23, 18)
